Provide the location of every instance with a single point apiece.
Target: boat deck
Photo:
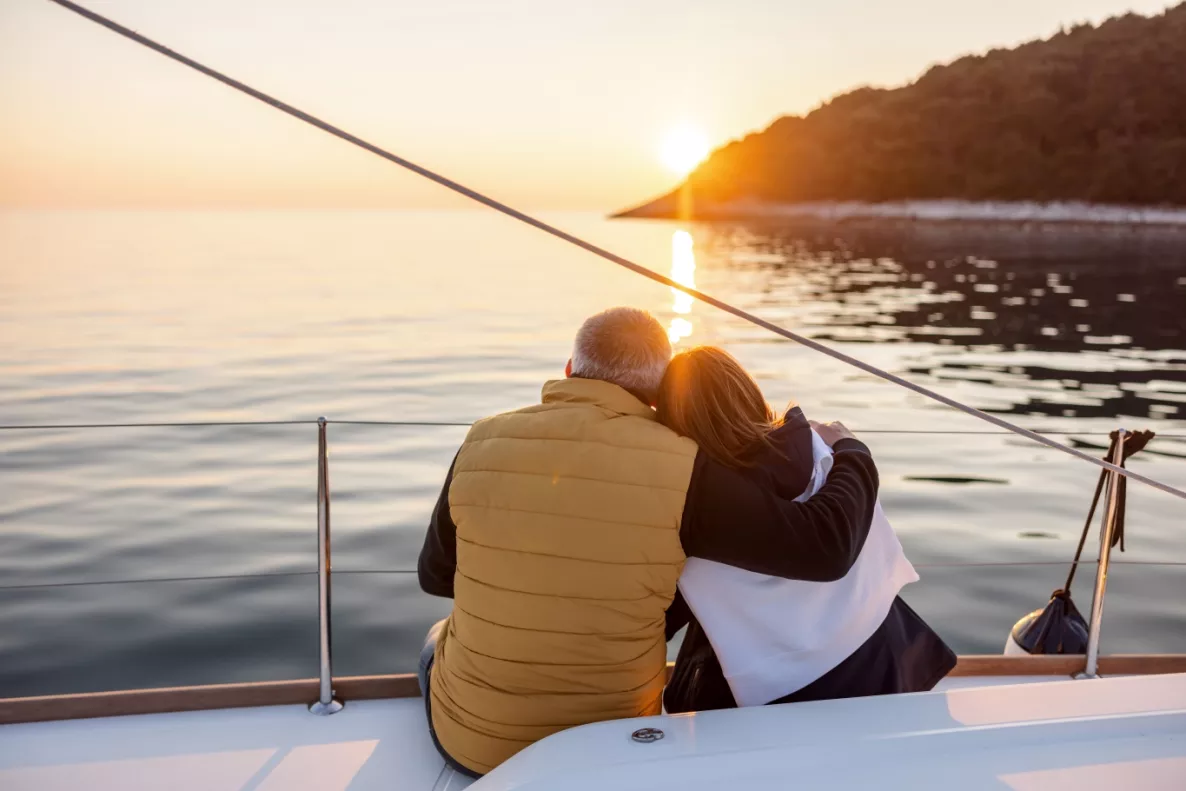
(1018, 733)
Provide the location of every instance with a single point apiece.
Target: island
(1088, 125)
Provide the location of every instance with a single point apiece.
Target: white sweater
(774, 636)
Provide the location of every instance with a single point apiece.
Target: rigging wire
(606, 254)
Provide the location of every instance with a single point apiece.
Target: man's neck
(644, 399)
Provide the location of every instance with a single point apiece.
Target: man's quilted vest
(568, 555)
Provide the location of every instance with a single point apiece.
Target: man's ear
(568, 369)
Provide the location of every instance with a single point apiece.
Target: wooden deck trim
(1001, 665)
(1068, 665)
(277, 693)
(214, 696)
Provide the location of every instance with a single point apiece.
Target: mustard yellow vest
(568, 553)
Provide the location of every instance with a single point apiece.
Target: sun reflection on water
(683, 271)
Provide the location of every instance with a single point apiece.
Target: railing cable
(143, 581)
(474, 195)
(354, 572)
(466, 423)
(429, 423)
(179, 424)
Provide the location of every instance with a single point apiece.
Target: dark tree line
(1093, 114)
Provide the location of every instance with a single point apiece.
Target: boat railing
(1111, 513)
(327, 703)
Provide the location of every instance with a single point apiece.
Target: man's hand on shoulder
(833, 432)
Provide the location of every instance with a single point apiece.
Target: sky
(549, 104)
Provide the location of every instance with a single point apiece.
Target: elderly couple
(645, 493)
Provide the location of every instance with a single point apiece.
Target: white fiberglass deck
(1115, 733)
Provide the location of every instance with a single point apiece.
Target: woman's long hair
(706, 395)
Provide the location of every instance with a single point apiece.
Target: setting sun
(683, 149)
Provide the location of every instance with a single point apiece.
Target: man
(561, 532)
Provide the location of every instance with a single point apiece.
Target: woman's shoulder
(787, 462)
(794, 423)
(784, 466)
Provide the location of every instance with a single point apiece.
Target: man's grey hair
(625, 346)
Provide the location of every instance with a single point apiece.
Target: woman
(754, 639)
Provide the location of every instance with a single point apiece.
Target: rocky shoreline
(928, 211)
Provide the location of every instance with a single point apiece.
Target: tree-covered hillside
(1091, 114)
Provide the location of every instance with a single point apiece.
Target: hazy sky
(546, 103)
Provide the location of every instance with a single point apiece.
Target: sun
(683, 148)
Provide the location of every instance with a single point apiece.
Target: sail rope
(606, 254)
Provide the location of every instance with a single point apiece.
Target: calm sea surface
(451, 316)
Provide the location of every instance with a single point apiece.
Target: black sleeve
(678, 615)
(438, 557)
(730, 518)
